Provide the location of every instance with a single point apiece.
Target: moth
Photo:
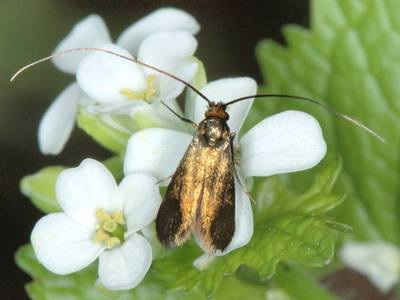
(201, 195)
(200, 199)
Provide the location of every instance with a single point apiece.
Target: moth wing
(215, 224)
(175, 218)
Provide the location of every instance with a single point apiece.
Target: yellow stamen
(112, 242)
(101, 236)
(119, 217)
(110, 225)
(151, 90)
(132, 95)
(146, 94)
(102, 215)
(110, 228)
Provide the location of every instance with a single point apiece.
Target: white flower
(122, 86)
(100, 219)
(110, 79)
(286, 142)
(379, 261)
(56, 126)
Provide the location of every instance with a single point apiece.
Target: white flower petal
(90, 32)
(170, 51)
(85, 100)
(156, 151)
(103, 76)
(199, 81)
(243, 227)
(117, 108)
(286, 142)
(80, 191)
(156, 115)
(124, 267)
(62, 245)
(203, 261)
(159, 47)
(164, 112)
(224, 90)
(57, 123)
(160, 20)
(149, 233)
(141, 200)
(379, 261)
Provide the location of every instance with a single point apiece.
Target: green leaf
(49, 286)
(233, 288)
(350, 58)
(39, 188)
(26, 261)
(309, 202)
(82, 286)
(300, 285)
(287, 227)
(110, 131)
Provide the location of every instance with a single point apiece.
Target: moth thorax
(217, 111)
(214, 130)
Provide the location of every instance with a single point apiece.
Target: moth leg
(165, 179)
(242, 185)
(236, 149)
(179, 116)
(233, 134)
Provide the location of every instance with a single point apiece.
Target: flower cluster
(105, 220)
(163, 38)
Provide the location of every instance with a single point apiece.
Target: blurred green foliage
(350, 58)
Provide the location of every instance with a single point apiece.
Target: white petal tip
(103, 76)
(379, 261)
(124, 267)
(203, 262)
(58, 122)
(163, 19)
(90, 32)
(290, 141)
(62, 245)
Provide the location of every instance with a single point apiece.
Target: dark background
(31, 29)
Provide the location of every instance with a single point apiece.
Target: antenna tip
(15, 75)
(378, 137)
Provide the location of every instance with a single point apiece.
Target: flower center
(146, 94)
(110, 229)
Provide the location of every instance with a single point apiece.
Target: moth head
(217, 111)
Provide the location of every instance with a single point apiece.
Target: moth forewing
(201, 196)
